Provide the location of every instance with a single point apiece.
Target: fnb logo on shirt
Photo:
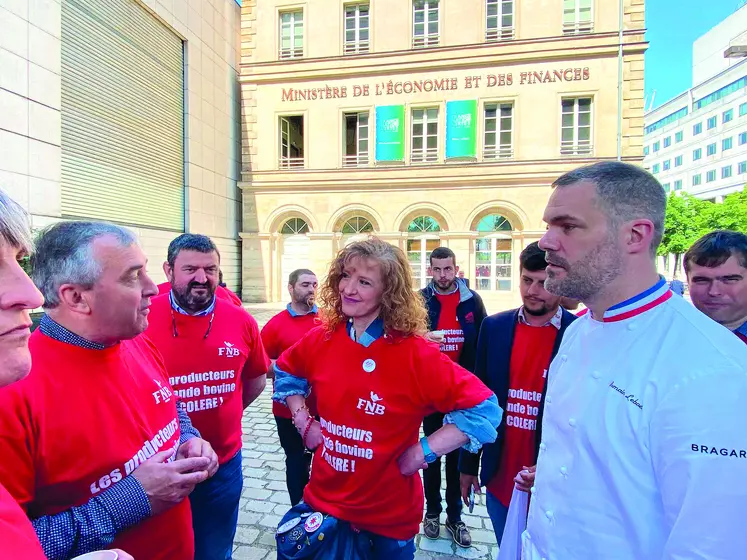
(228, 350)
(372, 407)
(163, 394)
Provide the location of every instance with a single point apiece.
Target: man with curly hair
(375, 379)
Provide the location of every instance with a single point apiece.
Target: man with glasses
(217, 366)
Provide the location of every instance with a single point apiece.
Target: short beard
(544, 310)
(586, 278)
(189, 303)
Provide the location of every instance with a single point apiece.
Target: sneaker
(431, 527)
(460, 533)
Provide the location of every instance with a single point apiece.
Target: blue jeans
(498, 513)
(215, 511)
(385, 548)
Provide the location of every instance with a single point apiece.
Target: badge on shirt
(369, 365)
(313, 522)
(288, 525)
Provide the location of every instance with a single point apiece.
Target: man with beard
(642, 454)
(513, 354)
(217, 365)
(455, 314)
(280, 333)
(716, 269)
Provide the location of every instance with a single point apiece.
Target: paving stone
(475, 551)
(267, 538)
(259, 506)
(254, 463)
(439, 545)
(256, 493)
(254, 472)
(254, 483)
(275, 475)
(280, 498)
(277, 485)
(245, 535)
(247, 519)
(480, 536)
(251, 553)
(270, 521)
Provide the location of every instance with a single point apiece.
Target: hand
(122, 555)
(412, 460)
(467, 481)
(167, 484)
(433, 336)
(314, 438)
(196, 447)
(525, 479)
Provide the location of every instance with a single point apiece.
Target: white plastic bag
(516, 524)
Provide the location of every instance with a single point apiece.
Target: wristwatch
(430, 456)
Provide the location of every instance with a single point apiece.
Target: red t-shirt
(17, 537)
(280, 333)
(449, 323)
(371, 403)
(207, 373)
(80, 422)
(530, 360)
(220, 293)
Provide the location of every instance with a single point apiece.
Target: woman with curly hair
(375, 379)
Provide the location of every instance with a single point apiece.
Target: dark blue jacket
(470, 313)
(493, 366)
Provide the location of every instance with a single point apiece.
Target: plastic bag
(516, 524)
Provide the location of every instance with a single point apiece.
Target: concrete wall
(708, 49)
(30, 69)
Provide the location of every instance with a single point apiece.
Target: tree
(731, 213)
(683, 225)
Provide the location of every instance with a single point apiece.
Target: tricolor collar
(655, 295)
(314, 309)
(374, 332)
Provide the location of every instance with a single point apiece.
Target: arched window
(294, 226)
(423, 237)
(357, 225)
(493, 249)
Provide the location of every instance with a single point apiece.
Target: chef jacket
(643, 453)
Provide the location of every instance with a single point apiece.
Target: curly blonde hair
(402, 308)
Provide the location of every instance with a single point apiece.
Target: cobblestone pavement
(265, 499)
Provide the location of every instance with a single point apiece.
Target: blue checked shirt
(95, 524)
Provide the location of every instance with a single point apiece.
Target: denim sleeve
(287, 385)
(93, 525)
(479, 423)
(186, 430)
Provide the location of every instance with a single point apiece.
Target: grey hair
(14, 224)
(64, 255)
(624, 192)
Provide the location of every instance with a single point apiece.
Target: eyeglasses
(176, 333)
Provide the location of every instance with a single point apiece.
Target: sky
(673, 26)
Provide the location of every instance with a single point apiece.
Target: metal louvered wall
(122, 115)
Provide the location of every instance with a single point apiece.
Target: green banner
(390, 133)
(461, 129)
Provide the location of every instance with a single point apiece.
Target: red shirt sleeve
(444, 385)
(257, 363)
(270, 338)
(17, 445)
(295, 360)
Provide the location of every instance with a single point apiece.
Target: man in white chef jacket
(644, 453)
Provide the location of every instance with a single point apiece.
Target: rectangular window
(498, 123)
(711, 123)
(711, 149)
(425, 31)
(291, 142)
(726, 172)
(743, 109)
(742, 169)
(727, 116)
(726, 144)
(678, 137)
(356, 139)
(743, 138)
(678, 161)
(697, 154)
(667, 141)
(291, 34)
(575, 126)
(696, 180)
(424, 135)
(656, 147)
(645, 150)
(499, 25)
(711, 176)
(357, 28)
(667, 164)
(697, 128)
(678, 185)
(655, 169)
(577, 17)
(666, 187)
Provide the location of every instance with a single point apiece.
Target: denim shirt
(478, 423)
